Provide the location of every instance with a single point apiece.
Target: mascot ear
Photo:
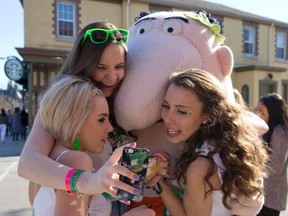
(225, 57)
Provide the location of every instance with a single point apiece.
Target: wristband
(68, 180)
(74, 179)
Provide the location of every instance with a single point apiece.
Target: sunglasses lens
(98, 36)
(121, 36)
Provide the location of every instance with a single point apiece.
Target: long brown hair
(236, 140)
(84, 58)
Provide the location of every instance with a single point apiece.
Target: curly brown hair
(236, 140)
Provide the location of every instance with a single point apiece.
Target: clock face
(14, 69)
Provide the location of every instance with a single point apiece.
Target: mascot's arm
(259, 123)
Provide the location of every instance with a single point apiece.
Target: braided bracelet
(74, 179)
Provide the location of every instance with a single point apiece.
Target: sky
(12, 23)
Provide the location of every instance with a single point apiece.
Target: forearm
(34, 163)
(171, 201)
(279, 150)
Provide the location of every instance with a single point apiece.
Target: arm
(279, 150)
(258, 123)
(194, 201)
(36, 166)
(34, 163)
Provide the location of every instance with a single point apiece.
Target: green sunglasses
(100, 35)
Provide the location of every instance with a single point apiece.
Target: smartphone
(136, 160)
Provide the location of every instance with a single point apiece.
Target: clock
(13, 68)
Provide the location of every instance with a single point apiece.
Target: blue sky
(12, 23)
(11, 33)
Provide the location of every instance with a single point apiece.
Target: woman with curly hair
(273, 109)
(222, 166)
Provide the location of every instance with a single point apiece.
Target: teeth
(108, 84)
(172, 131)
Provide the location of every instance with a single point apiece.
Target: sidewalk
(10, 147)
(14, 189)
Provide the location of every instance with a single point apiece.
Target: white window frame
(281, 41)
(68, 15)
(251, 40)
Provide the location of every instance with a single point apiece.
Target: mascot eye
(143, 27)
(172, 27)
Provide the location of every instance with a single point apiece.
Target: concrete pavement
(14, 190)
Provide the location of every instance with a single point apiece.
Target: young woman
(223, 162)
(98, 54)
(273, 109)
(80, 124)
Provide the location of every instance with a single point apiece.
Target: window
(250, 40)
(267, 86)
(66, 18)
(281, 44)
(245, 93)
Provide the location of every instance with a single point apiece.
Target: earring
(76, 144)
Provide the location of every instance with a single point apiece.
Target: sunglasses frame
(108, 33)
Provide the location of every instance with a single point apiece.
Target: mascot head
(159, 44)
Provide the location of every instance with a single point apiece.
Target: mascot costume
(161, 43)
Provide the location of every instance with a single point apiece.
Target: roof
(216, 9)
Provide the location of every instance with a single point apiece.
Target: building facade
(259, 44)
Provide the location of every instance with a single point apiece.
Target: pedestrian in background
(274, 111)
(16, 126)
(24, 123)
(9, 116)
(3, 125)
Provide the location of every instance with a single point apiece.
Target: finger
(162, 155)
(121, 170)
(154, 180)
(126, 202)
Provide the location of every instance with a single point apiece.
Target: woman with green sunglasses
(99, 53)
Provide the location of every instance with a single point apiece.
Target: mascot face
(159, 44)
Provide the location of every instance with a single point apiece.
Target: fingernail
(136, 177)
(136, 191)
(132, 144)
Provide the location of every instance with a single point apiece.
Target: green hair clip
(203, 19)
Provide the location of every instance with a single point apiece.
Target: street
(14, 189)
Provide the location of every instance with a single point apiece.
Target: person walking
(3, 125)
(24, 123)
(16, 126)
(273, 109)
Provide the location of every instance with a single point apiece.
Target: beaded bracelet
(74, 179)
(68, 180)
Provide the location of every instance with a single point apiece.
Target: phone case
(136, 160)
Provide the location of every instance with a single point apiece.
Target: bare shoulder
(198, 168)
(77, 159)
